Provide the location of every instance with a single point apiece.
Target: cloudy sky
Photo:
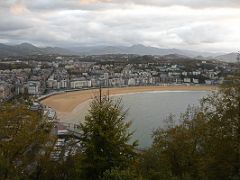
(205, 25)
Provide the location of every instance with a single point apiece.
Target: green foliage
(23, 139)
(8, 66)
(117, 174)
(105, 139)
(205, 145)
(61, 169)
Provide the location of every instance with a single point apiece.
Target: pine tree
(105, 139)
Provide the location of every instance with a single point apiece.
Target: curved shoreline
(66, 103)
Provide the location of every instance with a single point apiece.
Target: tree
(24, 141)
(204, 145)
(174, 152)
(222, 110)
(105, 139)
(116, 174)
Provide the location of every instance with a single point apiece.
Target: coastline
(69, 104)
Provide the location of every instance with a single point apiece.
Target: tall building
(34, 87)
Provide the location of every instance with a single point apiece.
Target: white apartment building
(80, 84)
(131, 82)
(34, 87)
(195, 81)
(5, 91)
(187, 80)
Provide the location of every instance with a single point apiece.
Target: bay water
(149, 110)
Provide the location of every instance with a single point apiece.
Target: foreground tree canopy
(206, 143)
(105, 139)
(24, 141)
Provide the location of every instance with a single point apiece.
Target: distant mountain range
(231, 57)
(25, 49)
(138, 49)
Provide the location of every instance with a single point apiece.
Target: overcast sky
(205, 25)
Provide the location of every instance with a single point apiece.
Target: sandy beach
(70, 103)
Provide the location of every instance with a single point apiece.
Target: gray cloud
(187, 3)
(12, 25)
(199, 25)
(104, 4)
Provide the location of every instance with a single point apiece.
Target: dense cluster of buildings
(66, 74)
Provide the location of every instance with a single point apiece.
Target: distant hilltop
(26, 49)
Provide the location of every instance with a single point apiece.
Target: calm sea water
(149, 110)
